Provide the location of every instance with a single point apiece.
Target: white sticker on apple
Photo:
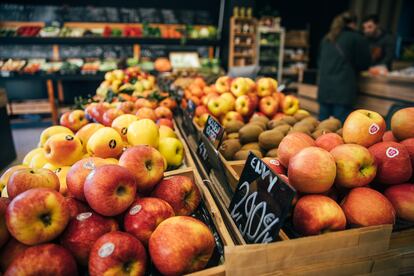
(83, 216)
(106, 249)
(391, 152)
(274, 162)
(374, 128)
(134, 210)
(90, 165)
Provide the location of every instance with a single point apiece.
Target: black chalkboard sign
(188, 115)
(213, 131)
(261, 202)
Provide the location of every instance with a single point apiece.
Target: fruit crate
(403, 242)
(188, 160)
(208, 213)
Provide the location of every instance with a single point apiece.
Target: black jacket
(339, 66)
(382, 49)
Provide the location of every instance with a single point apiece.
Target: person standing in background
(382, 44)
(343, 54)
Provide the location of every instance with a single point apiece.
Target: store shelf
(295, 45)
(244, 34)
(106, 40)
(243, 45)
(78, 77)
(269, 45)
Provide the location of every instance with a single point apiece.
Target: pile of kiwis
(263, 136)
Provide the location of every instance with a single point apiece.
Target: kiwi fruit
(339, 131)
(307, 125)
(290, 120)
(270, 139)
(300, 128)
(311, 120)
(229, 147)
(233, 126)
(332, 124)
(249, 133)
(300, 116)
(251, 146)
(272, 153)
(259, 118)
(234, 135)
(275, 123)
(258, 123)
(320, 132)
(242, 154)
(283, 128)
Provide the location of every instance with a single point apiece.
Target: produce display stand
(403, 242)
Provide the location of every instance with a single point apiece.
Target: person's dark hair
(371, 17)
(338, 24)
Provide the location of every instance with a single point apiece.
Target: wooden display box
(403, 242)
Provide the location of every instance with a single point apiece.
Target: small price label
(261, 202)
(188, 115)
(214, 131)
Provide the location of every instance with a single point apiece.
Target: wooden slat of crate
(29, 107)
(188, 159)
(214, 271)
(379, 105)
(404, 242)
(307, 90)
(388, 87)
(310, 105)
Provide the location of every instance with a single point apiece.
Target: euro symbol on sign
(112, 144)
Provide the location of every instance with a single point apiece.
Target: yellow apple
(28, 158)
(122, 123)
(61, 174)
(86, 132)
(113, 161)
(167, 132)
(173, 151)
(228, 101)
(105, 143)
(63, 149)
(38, 160)
(50, 166)
(143, 132)
(50, 131)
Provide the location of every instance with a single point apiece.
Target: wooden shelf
(244, 45)
(244, 34)
(243, 55)
(294, 45)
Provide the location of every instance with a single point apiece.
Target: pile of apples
(363, 178)
(130, 80)
(238, 99)
(109, 219)
(105, 129)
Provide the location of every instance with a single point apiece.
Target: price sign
(261, 202)
(182, 60)
(213, 131)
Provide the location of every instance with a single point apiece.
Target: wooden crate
(403, 241)
(188, 160)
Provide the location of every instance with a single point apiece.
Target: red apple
(268, 105)
(117, 253)
(9, 252)
(64, 120)
(200, 110)
(181, 245)
(82, 232)
(409, 145)
(75, 206)
(163, 112)
(165, 122)
(77, 119)
(275, 165)
(402, 123)
(145, 215)
(146, 113)
(393, 162)
(402, 197)
(367, 207)
(37, 215)
(316, 214)
(96, 111)
(389, 137)
(355, 165)
(4, 233)
(291, 145)
(231, 116)
(141, 102)
(363, 127)
(77, 174)
(110, 189)
(245, 105)
(44, 259)
(329, 141)
(180, 192)
(223, 84)
(312, 170)
(147, 165)
(127, 107)
(28, 178)
(110, 115)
